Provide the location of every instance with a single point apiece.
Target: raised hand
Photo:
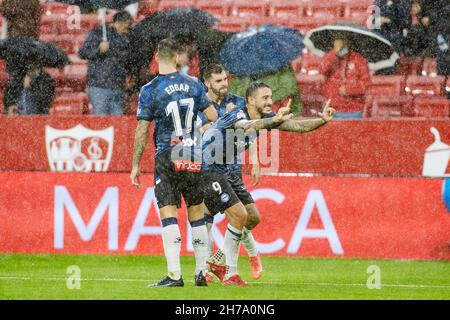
(328, 112)
(284, 113)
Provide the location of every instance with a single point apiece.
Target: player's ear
(251, 100)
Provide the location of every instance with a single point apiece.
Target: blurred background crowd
(372, 58)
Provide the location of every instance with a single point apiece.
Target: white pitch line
(330, 284)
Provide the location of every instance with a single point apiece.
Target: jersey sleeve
(240, 102)
(144, 111)
(203, 100)
(228, 120)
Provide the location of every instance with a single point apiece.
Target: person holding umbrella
(31, 91)
(265, 54)
(347, 77)
(107, 70)
(32, 94)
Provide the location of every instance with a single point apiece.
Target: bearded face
(218, 84)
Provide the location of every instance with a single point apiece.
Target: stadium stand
(392, 86)
(415, 90)
(220, 9)
(389, 107)
(324, 9)
(70, 103)
(419, 85)
(171, 4)
(287, 9)
(244, 8)
(431, 107)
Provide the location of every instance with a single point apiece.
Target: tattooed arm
(307, 125)
(140, 142)
(259, 124)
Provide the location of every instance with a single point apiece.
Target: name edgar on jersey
(177, 87)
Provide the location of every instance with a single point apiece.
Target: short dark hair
(168, 48)
(122, 16)
(255, 86)
(213, 68)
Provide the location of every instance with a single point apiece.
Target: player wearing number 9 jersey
(173, 101)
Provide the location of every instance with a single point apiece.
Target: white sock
(172, 247)
(219, 257)
(231, 249)
(210, 237)
(248, 242)
(200, 244)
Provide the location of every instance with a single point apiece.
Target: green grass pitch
(126, 277)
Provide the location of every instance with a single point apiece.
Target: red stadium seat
(287, 10)
(75, 77)
(70, 104)
(172, 4)
(219, 9)
(409, 66)
(4, 76)
(417, 85)
(312, 104)
(297, 65)
(431, 107)
(54, 8)
(329, 9)
(232, 24)
(429, 67)
(386, 86)
(447, 87)
(64, 42)
(244, 8)
(388, 107)
(257, 21)
(147, 7)
(89, 22)
(307, 23)
(78, 42)
(310, 64)
(310, 85)
(357, 12)
(51, 25)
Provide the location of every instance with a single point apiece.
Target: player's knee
(253, 218)
(243, 216)
(252, 221)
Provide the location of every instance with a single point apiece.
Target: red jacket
(352, 72)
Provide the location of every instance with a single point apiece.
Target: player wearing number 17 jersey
(173, 101)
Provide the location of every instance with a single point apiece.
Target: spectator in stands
(33, 94)
(418, 39)
(395, 20)
(23, 18)
(347, 77)
(437, 15)
(430, 36)
(107, 70)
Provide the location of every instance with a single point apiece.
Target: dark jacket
(107, 70)
(24, 17)
(399, 12)
(42, 93)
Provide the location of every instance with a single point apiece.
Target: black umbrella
(377, 50)
(180, 22)
(90, 5)
(31, 51)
